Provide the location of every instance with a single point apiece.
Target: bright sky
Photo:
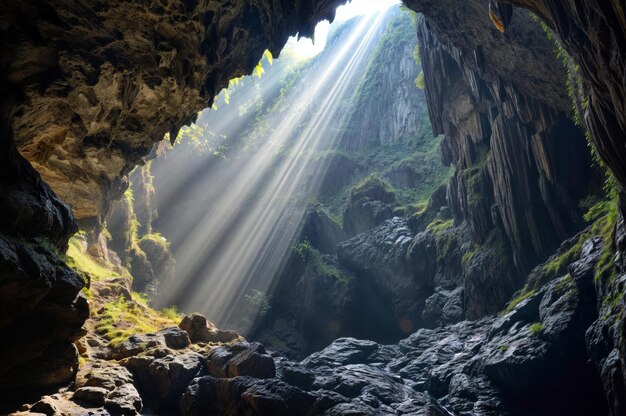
(305, 47)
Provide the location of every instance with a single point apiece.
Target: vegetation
(469, 255)
(259, 301)
(121, 318)
(516, 301)
(317, 265)
(536, 328)
(373, 187)
(439, 225)
(172, 313)
(79, 260)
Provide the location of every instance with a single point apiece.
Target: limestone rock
(242, 359)
(201, 330)
(173, 337)
(162, 380)
(143, 70)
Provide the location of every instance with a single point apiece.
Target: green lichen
(316, 264)
(439, 225)
(516, 301)
(536, 328)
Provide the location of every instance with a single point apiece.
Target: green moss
(158, 239)
(536, 328)
(83, 262)
(468, 256)
(121, 318)
(439, 225)
(373, 187)
(172, 313)
(513, 303)
(316, 264)
(503, 348)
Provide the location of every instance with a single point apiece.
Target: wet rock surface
(531, 360)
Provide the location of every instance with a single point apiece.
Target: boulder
(242, 359)
(120, 393)
(163, 380)
(201, 330)
(173, 337)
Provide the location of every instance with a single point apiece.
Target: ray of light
(258, 201)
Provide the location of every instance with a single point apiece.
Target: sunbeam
(256, 200)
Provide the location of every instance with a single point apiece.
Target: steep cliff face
(97, 85)
(397, 114)
(522, 164)
(589, 33)
(41, 314)
(86, 92)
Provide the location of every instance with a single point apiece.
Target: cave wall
(593, 34)
(98, 83)
(86, 89)
(521, 163)
(397, 112)
(41, 313)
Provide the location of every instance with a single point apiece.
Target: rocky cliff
(515, 196)
(87, 89)
(80, 84)
(397, 113)
(113, 78)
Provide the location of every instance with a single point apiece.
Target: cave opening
(373, 222)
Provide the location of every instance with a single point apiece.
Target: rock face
(369, 205)
(99, 86)
(511, 364)
(86, 92)
(505, 137)
(41, 312)
(397, 112)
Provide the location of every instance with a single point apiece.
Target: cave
(316, 207)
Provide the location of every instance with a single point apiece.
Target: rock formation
(97, 86)
(86, 92)
(87, 89)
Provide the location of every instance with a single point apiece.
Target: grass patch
(537, 328)
(121, 318)
(316, 264)
(523, 296)
(439, 225)
(79, 260)
(468, 256)
(172, 313)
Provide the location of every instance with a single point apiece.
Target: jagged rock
(121, 395)
(173, 337)
(45, 406)
(145, 70)
(342, 351)
(294, 374)
(41, 315)
(244, 395)
(163, 380)
(161, 260)
(92, 395)
(481, 101)
(201, 330)
(369, 205)
(242, 359)
(321, 231)
(387, 283)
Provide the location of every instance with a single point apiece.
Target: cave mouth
(405, 229)
(256, 198)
